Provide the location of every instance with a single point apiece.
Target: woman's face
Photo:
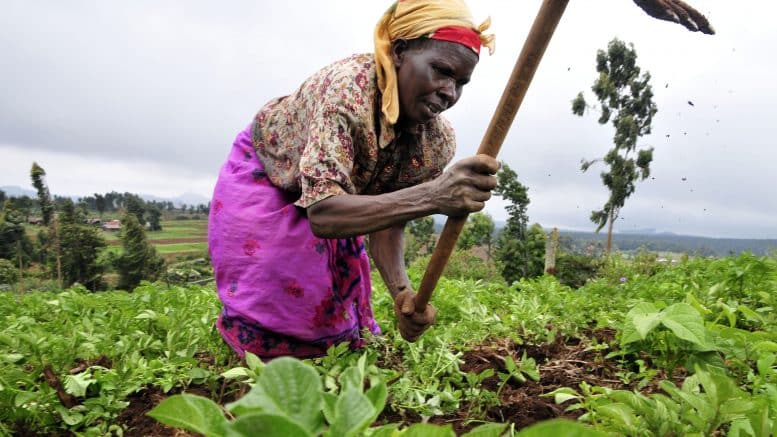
(430, 76)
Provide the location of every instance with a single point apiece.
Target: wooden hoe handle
(536, 42)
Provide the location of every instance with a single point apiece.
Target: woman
(359, 149)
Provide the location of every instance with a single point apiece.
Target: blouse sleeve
(327, 162)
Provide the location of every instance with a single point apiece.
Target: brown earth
(563, 363)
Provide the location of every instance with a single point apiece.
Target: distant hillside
(16, 191)
(183, 199)
(654, 241)
(668, 242)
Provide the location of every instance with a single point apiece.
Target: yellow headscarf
(410, 19)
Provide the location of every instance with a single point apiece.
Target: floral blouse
(329, 137)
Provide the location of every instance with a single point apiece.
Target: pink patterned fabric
(329, 137)
(284, 290)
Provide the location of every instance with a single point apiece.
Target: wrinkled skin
(678, 12)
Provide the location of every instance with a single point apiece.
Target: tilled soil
(563, 363)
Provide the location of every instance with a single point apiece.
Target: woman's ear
(398, 48)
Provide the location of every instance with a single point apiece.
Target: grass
(193, 232)
(166, 249)
(181, 229)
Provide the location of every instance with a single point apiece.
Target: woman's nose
(448, 92)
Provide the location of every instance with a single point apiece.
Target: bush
(623, 267)
(575, 270)
(462, 264)
(188, 271)
(9, 274)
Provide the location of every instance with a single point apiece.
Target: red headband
(460, 34)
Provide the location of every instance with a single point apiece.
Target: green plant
(289, 399)
(526, 367)
(9, 273)
(673, 333)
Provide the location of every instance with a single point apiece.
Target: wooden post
(21, 271)
(551, 248)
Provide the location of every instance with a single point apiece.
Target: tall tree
(47, 211)
(139, 259)
(511, 245)
(44, 197)
(625, 98)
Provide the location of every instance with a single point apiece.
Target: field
(177, 239)
(645, 349)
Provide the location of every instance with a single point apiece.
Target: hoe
(525, 66)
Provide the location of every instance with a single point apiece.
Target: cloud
(147, 97)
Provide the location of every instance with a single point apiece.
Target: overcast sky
(147, 96)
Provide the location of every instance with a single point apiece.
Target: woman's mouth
(434, 109)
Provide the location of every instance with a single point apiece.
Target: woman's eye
(443, 71)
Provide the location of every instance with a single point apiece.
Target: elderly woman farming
(359, 149)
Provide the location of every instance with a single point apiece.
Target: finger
(409, 334)
(484, 182)
(485, 164)
(432, 314)
(475, 206)
(480, 164)
(479, 195)
(408, 306)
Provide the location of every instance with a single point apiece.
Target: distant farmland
(178, 238)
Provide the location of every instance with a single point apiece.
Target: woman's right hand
(466, 186)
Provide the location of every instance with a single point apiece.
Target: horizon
(438, 218)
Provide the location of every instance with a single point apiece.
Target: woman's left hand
(412, 324)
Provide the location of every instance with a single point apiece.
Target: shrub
(9, 274)
(575, 270)
(462, 264)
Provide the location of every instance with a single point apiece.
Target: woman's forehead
(449, 51)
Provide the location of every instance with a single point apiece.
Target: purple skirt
(284, 290)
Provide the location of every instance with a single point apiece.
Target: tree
(2, 197)
(154, 219)
(419, 238)
(134, 205)
(478, 231)
(99, 203)
(24, 205)
(82, 211)
(14, 243)
(44, 197)
(80, 246)
(47, 211)
(512, 245)
(68, 214)
(626, 98)
(80, 250)
(139, 259)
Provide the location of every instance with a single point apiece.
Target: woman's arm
(461, 190)
(387, 251)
